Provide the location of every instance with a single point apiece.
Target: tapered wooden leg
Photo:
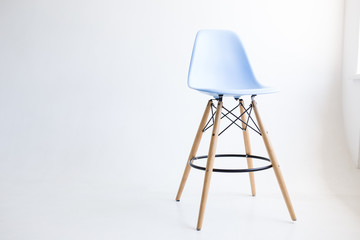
(194, 149)
(274, 162)
(247, 147)
(209, 164)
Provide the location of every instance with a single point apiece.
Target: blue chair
(219, 67)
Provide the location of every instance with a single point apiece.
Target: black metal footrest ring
(191, 163)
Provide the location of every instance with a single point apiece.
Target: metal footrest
(191, 163)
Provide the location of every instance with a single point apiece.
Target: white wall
(95, 91)
(351, 84)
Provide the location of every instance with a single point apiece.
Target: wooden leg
(247, 147)
(194, 149)
(274, 162)
(209, 164)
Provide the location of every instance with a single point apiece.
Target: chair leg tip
(198, 229)
(178, 200)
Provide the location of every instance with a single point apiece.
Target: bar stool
(219, 67)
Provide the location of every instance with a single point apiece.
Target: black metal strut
(247, 112)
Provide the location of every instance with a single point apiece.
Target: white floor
(88, 211)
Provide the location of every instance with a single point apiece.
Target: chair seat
(237, 92)
(219, 66)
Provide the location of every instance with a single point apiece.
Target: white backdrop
(95, 92)
(351, 86)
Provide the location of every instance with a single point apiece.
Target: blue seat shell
(219, 66)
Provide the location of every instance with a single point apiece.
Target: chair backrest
(219, 61)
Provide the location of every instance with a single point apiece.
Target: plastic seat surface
(219, 66)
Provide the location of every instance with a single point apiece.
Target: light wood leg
(274, 162)
(247, 147)
(194, 149)
(209, 164)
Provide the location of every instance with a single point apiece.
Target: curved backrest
(219, 61)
